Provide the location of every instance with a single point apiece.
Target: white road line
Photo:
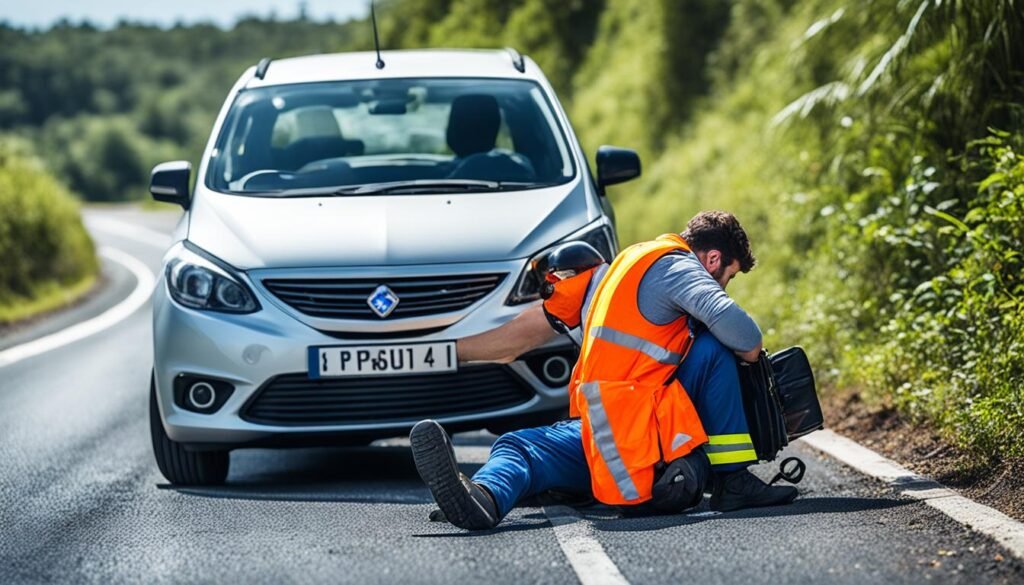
(585, 553)
(126, 230)
(1005, 530)
(144, 284)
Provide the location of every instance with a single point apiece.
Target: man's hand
(504, 344)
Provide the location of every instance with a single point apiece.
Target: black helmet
(565, 261)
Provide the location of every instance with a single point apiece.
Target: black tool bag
(780, 400)
(795, 382)
(763, 407)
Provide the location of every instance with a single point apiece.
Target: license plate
(382, 360)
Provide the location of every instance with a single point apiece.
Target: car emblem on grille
(383, 301)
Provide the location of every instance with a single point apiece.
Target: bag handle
(791, 469)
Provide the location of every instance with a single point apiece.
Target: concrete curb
(988, 521)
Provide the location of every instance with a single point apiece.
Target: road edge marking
(991, 522)
(145, 282)
(124, 229)
(586, 555)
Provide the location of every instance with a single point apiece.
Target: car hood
(301, 232)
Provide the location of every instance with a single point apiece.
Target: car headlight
(528, 286)
(197, 280)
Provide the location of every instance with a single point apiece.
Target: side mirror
(169, 182)
(616, 165)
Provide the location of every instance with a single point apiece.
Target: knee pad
(681, 485)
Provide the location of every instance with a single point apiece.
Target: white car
(347, 224)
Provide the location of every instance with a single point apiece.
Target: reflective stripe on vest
(652, 350)
(602, 431)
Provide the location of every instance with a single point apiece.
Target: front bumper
(249, 351)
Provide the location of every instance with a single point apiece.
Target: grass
(45, 297)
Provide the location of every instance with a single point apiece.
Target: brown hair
(720, 230)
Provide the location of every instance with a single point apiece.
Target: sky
(106, 13)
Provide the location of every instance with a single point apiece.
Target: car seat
(473, 125)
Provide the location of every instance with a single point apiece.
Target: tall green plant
(954, 349)
(42, 240)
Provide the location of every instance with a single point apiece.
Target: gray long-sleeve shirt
(678, 284)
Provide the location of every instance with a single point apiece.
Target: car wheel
(179, 465)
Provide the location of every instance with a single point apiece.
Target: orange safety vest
(634, 411)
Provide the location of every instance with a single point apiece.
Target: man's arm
(678, 283)
(733, 326)
(504, 344)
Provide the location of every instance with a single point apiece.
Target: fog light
(553, 368)
(556, 369)
(202, 395)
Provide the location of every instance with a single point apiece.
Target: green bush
(954, 351)
(42, 241)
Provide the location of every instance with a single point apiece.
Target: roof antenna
(376, 40)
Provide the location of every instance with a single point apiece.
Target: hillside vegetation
(872, 148)
(855, 141)
(105, 106)
(48, 256)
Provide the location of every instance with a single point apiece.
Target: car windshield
(393, 135)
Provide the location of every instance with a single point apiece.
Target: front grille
(345, 298)
(383, 335)
(294, 399)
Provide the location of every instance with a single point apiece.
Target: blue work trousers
(530, 461)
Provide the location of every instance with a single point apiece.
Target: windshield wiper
(411, 187)
(421, 186)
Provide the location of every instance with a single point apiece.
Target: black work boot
(740, 489)
(463, 502)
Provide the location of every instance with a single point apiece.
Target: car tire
(179, 465)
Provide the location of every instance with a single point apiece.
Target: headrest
(473, 124)
(316, 121)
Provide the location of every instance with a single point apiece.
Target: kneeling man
(655, 405)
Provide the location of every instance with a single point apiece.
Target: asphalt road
(81, 500)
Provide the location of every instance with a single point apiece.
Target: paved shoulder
(844, 528)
